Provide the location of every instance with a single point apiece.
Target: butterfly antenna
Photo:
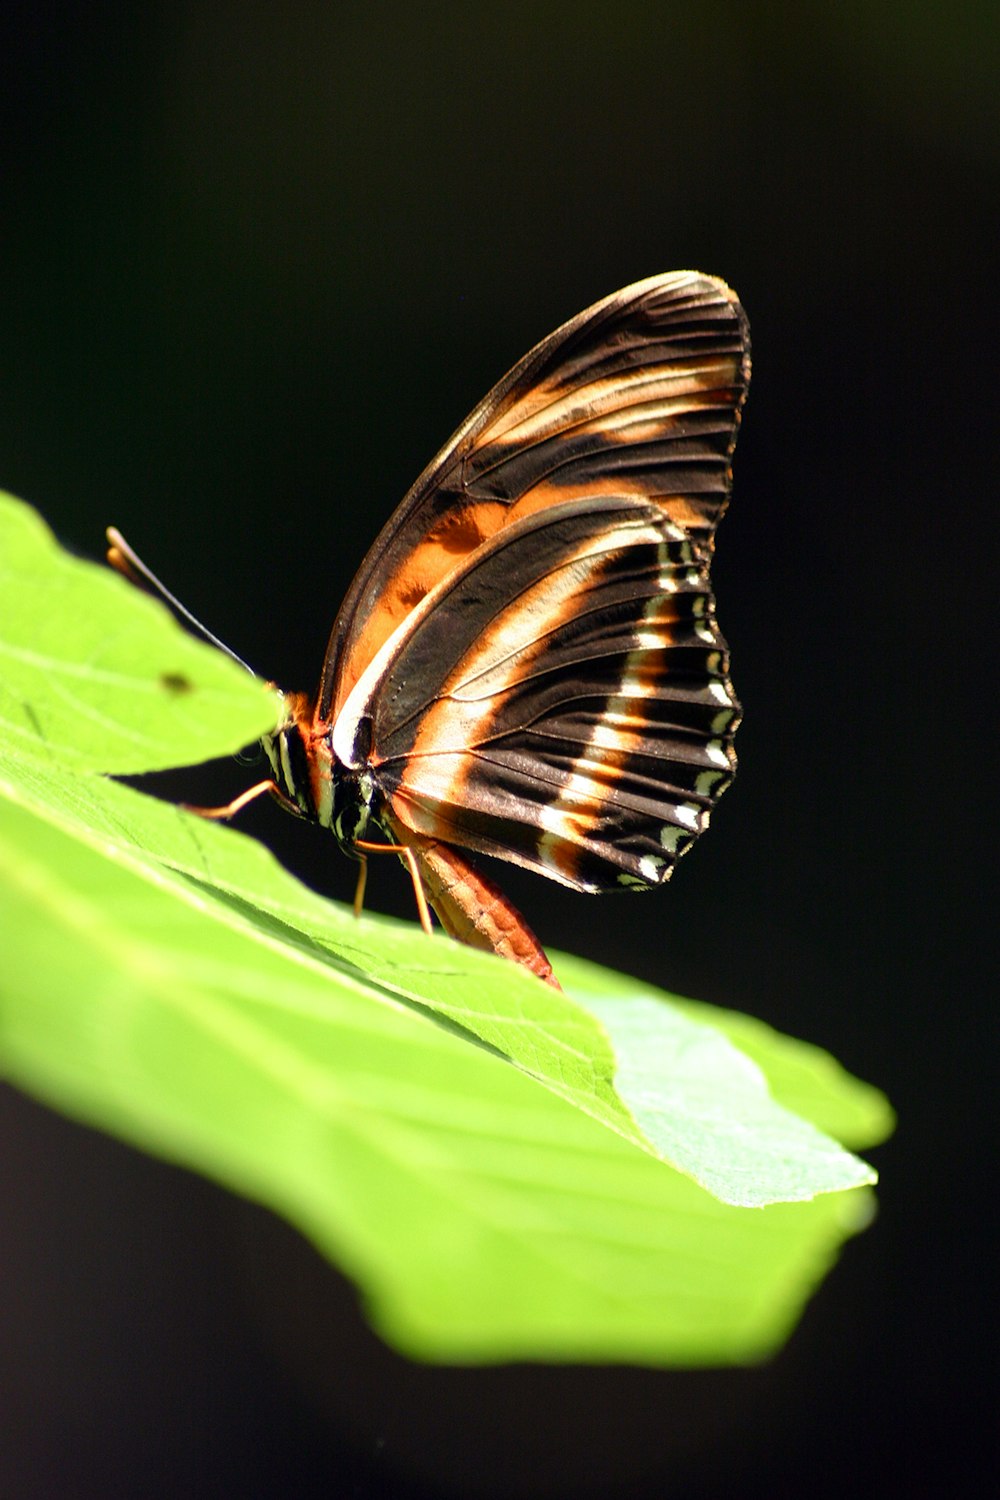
(131, 566)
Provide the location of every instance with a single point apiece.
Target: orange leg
(365, 848)
(359, 889)
(406, 854)
(250, 795)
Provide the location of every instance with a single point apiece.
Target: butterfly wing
(560, 699)
(638, 396)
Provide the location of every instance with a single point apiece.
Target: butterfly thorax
(314, 781)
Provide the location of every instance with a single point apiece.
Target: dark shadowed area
(257, 263)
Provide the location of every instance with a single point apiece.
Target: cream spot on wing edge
(673, 838)
(577, 810)
(690, 814)
(707, 781)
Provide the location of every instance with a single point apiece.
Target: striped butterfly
(527, 664)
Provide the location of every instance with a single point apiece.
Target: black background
(256, 263)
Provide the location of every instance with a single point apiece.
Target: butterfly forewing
(638, 396)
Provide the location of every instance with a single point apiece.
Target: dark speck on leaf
(176, 684)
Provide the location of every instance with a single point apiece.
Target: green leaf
(95, 675)
(166, 980)
(715, 1119)
(493, 1003)
(483, 1216)
(770, 1086)
(805, 1079)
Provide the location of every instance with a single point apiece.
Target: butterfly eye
(289, 759)
(270, 744)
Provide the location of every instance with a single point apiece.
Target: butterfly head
(310, 778)
(354, 794)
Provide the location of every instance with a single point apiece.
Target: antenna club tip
(119, 554)
(124, 560)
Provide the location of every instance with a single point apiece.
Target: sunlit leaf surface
(164, 979)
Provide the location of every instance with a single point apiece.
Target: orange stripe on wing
(462, 717)
(631, 406)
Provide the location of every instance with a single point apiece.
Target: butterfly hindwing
(638, 396)
(560, 699)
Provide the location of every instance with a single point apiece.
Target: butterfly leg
(406, 854)
(418, 887)
(359, 889)
(250, 795)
